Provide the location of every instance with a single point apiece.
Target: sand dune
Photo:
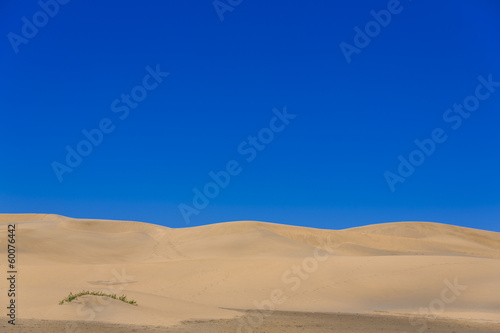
(407, 268)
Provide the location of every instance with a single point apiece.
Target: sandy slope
(417, 268)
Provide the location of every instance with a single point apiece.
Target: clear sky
(184, 113)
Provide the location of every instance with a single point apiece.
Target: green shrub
(72, 296)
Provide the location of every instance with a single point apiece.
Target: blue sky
(236, 69)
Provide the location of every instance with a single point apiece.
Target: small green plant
(72, 296)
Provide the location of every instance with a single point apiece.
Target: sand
(276, 322)
(408, 276)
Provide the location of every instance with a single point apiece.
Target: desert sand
(251, 277)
